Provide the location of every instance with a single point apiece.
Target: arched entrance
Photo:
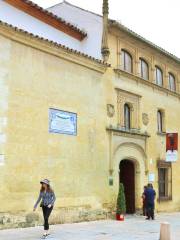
(129, 160)
(127, 177)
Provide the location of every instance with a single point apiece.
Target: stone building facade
(149, 91)
(124, 107)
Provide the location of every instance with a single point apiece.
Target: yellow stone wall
(36, 80)
(151, 98)
(36, 76)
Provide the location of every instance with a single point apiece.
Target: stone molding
(121, 72)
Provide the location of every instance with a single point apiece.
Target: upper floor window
(144, 69)
(127, 116)
(159, 76)
(160, 121)
(172, 82)
(126, 60)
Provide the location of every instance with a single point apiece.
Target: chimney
(104, 48)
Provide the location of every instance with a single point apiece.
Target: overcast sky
(156, 20)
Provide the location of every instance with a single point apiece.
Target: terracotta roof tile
(54, 43)
(61, 20)
(134, 34)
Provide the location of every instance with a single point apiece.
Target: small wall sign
(62, 122)
(151, 177)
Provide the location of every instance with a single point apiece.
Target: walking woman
(47, 198)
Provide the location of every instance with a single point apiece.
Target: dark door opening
(127, 177)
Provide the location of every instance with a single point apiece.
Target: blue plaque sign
(62, 122)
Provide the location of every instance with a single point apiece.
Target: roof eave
(52, 43)
(114, 23)
(47, 17)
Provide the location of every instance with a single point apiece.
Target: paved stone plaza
(134, 228)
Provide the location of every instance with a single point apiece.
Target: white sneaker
(44, 236)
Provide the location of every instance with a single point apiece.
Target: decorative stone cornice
(146, 82)
(129, 133)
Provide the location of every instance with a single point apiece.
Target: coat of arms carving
(110, 110)
(145, 119)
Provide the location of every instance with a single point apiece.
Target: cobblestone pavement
(134, 228)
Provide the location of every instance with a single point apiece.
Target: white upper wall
(17, 18)
(87, 21)
(91, 23)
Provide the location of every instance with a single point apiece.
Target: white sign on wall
(151, 177)
(62, 122)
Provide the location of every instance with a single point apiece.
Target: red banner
(171, 147)
(171, 141)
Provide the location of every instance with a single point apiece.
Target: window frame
(125, 53)
(127, 125)
(157, 78)
(171, 76)
(142, 60)
(160, 120)
(167, 167)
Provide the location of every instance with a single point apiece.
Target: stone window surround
(163, 123)
(160, 70)
(133, 100)
(141, 60)
(149, 83)
(175, 83)
(152, 66)
(161, 164)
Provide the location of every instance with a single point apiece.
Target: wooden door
(127, 177)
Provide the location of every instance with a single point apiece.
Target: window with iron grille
(165, 181)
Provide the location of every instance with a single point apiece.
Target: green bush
(121, 201)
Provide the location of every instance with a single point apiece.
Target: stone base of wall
(59, 216)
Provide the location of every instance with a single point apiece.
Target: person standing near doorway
(144, 202)
(150, 195)
(47, 198)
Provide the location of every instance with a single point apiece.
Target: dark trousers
(150, 210)
(46, 213)
(144, 209)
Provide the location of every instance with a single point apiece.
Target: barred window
(165, 180)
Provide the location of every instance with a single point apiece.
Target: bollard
(165, 231)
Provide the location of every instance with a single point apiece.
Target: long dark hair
(49, 189)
